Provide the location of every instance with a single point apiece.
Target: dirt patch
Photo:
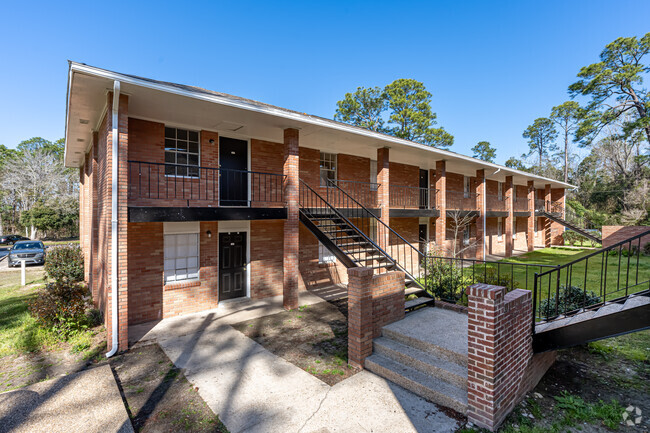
(158, 396)
(314, 338)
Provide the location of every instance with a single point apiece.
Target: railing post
(534, 300)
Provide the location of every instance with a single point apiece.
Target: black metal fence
(225, 187)
(604, 275)
(411, 197)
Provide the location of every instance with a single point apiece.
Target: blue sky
(492, 67)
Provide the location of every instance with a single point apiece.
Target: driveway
(253, 390)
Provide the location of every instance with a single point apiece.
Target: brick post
(441, 203)
(291, 243)
(123, 218)
(547, 222)
(480, 199)
(530, 232)
(500, 362)
(383, 194)
(94, 224)
(360, 329)
(373, 301)
(510, 218)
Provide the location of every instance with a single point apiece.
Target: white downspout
(114, 217)
(485, 210)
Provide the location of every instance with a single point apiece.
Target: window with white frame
(181, 150)
(181, 257)
(325, 255)
(373, 175)
(466, 235)
(500, 190)
(327, 168)
(466, 186)
(499, 229)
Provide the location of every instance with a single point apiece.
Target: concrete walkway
(88, 401)
(253, 390)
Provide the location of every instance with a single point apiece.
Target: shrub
(571, 298)
(646, 249)
(503, 279)
(61, 306)
(446, 280)
(65, 263)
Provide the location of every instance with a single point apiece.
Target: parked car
(11, 239)
(31, 252)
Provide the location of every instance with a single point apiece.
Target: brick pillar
(501, 368)
(530, 232)
(441, 204)
(383, 194)
(123, 218)
(94, 225)
(510, 218)
(373, 301)
(480, 199)
(547, 222)
(291, 242)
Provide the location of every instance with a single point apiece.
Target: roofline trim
(306, 118)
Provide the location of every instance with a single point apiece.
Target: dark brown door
(424, 189)
(232, 265)
(233, 176)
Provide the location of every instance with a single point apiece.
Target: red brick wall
(373, 301)
(266, 157)
(266, 258)
(615, 234)
(145, 272)
(314, 275)
(501, 365)
(521, 228)
(354, 168)
(405, 175)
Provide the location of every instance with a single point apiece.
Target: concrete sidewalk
(253, 390)
(88, 401)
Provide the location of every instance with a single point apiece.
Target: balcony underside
(161, 214)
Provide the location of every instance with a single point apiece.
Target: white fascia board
(306, 118)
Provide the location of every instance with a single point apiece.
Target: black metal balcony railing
(464, 201)
(496, 202)
(411, 197)
(521, 204)
(225, 187)
(364, 192)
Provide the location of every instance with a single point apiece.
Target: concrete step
(424, 362)
(416, 303)
(426, 386)
(608, 309)
(636, 301)
(433, 330)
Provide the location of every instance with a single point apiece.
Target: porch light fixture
(211, 141)
(209, 233)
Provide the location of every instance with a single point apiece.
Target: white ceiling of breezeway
(194, 108)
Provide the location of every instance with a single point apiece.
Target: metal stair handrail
(567, 275)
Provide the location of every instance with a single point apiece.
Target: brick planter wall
(373, 301)
(615, 234)
(501, 364)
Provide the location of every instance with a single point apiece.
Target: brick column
(480, 199)
(291, 242)
(373, 301)
(500, 362)
(123, 218)
(530, 232)
(510, 218)
(441, 204)
(547, 222)
(383, 194)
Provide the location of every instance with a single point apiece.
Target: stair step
(581, 317)
(450, 343)
(372, 259)
(430, 388)
(425, 362)
(636, 301)
(608, 309)
(416, 303)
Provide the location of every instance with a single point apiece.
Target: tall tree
(567, 117)
(363, 108)
(38, 143)
(484, 151)
(615, 85)
(411, 115)
(516, 163)
(541, 137)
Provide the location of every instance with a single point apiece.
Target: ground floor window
(466, 235)
(514, 228)
(499, 229)
(325, 255)
(181, 257)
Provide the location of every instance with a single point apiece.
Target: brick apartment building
(189, 198)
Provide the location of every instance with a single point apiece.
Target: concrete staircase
(426, 353)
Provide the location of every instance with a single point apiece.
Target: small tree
(460, 222)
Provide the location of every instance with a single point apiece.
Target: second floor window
(181, 150)
(500, 191)
(327, 168)
(514, 193)
(466, 186)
